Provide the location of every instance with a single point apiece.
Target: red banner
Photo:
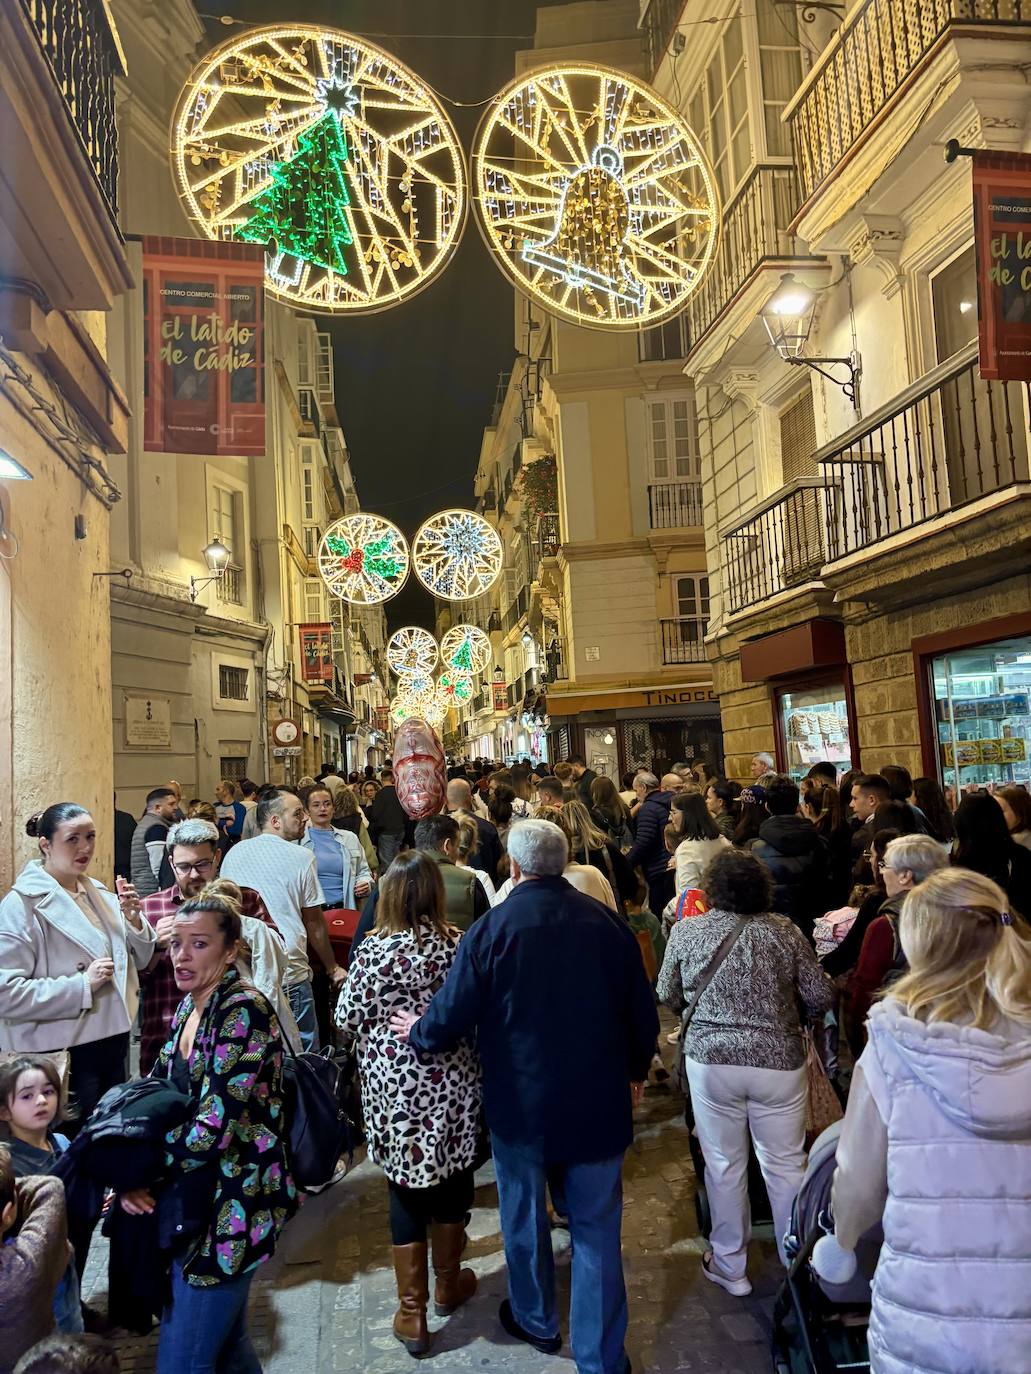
(316, 653)
(1002, 229)
(381, 718)
(500, 696)
(203, 321)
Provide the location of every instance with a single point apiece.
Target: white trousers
(729, 1102)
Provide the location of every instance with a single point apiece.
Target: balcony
(229, 587)
(866, 65)
(546, 535)
(494, 622)
(683, 640)
(754, 230)
(516, 610)
(944, 443)
(674, 505)
(657, 28)
(780, 545)
(58, 222)
(311, 416)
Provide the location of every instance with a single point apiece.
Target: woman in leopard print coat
(422, 1114)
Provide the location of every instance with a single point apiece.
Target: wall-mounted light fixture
(788, 317)
(216, 557)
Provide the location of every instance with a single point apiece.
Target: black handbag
(318, 1128)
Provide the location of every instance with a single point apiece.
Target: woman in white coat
(70, 952)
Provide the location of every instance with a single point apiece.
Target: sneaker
(738, 1288)
(547, 1345)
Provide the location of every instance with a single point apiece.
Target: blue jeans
(593, 1198)
(302, 1004)
(204, 1330)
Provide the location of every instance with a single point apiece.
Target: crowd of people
(499, 984)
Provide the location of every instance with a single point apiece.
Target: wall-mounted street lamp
(216, 557)
(788, 317)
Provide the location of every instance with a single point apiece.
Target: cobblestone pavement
(326, 1302)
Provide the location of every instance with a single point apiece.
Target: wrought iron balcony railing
(82, 48)
(781, 544)
(683, 639)
(943, 443)
(674, 505)
(754, 228)
(657, 27)
(516, 610)
(548, 538)
(867, 62)
(229, 587)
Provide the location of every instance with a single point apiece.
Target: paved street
(326, 1302)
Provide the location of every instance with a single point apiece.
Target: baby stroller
(762, 1215)
(820, 1327)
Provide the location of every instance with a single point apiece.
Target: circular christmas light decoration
(455, 686)
(457, 555)
(401, 708)
(363, 559)
(594, 196)
(331, 151)
(412, 650)
(415, 686)
(467, 648)
(435, 712)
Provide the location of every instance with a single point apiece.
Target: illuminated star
(337, 95)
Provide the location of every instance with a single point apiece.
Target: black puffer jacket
(799, 862)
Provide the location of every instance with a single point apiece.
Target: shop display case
(981, 699)
(814, 725)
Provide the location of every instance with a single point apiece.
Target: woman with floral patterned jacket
(226, 1051)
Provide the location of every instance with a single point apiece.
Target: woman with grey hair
(908, 861)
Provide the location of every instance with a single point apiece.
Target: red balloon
(420, 779)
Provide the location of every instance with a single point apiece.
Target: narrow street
(326, 1302)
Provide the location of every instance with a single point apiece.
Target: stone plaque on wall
(148, 722)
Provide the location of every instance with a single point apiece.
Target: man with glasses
(192, 851)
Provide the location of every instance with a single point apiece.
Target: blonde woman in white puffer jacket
(937, 1139)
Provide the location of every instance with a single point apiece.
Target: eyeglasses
(201, 868)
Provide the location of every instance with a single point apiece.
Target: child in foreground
(34, 1255)
(31, 1105)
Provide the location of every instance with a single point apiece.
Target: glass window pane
(742, 151)
(954, 302)
(732, 49)
(778, 135)
(737, 98)
(981, 698)
(814, 722)
(781, 73)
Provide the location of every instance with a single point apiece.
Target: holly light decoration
(363, 559)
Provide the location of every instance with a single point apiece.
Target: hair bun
(32, 824)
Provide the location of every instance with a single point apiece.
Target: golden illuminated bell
(589, 246)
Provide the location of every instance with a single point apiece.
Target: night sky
(415, 384)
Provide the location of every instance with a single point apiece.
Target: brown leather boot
(454, 1285)
(413, 1291)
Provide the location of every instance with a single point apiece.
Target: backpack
(318, 1129)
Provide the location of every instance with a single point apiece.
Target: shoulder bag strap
(727, 944)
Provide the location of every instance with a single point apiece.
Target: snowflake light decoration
(594, 196)
(412, 650)
(363, 559)
(456, 687)
(467, 648)
(332, 151)
(415, 686)
(457, 555)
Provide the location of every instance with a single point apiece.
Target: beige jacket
(46, 945)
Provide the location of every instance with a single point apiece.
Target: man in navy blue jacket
(649, 847)
(553, 986)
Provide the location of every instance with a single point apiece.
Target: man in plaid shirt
(193, 854)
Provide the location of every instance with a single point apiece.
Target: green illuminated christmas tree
(464, 657)
(305, 210)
